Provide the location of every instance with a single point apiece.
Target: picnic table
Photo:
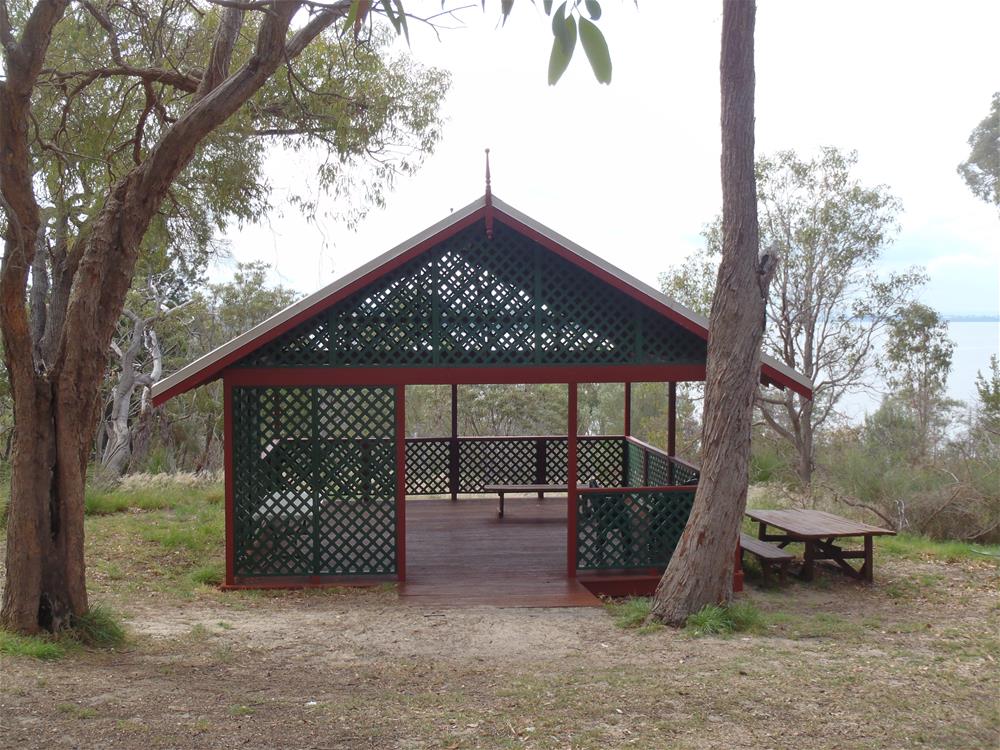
(820, 532)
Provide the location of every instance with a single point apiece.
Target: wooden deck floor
(460, 554)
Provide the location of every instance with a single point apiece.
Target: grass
(915, 547)
(715, 619)
(99, 628)
(208, 575)
(40, 647)
(174, 546)
(102, 502)
(633, 614)
(77, 712)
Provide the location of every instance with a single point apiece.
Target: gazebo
(321, 478)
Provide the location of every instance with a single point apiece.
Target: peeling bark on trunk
(701, 569)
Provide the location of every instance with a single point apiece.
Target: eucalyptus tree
(701, 569)
(916, 365)
(981, 171)
(121, 119)
(830, 305)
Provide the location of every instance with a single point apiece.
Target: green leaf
(594, 9)
(401, 15)
(562, 52)
(597, 51)
(564, 29)
(505, 8)
(547, 7)
(559, 19)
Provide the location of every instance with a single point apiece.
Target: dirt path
(910, 663)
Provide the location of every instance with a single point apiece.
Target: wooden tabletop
(814, 524)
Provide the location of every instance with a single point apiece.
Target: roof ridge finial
(488, 200)
(489, 189)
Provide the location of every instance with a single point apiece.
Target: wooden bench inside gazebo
(323, 487)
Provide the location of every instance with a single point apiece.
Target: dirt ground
(910, 662)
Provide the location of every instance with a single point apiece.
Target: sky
(631, 171)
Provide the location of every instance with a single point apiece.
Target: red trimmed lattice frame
(417, 376)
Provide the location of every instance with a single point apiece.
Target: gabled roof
(491, 209)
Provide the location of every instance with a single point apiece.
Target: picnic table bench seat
(769, 555)
(541, 489)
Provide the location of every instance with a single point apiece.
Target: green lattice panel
(600, 461)
(684, 474)
(485, 461)
(556, 461)
(472, 301)
(632, 529)
(659, 470)
(314, 481)
(427, 467)
(634, 462)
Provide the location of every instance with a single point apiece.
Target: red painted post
(738, 572)
(453, 456)
(227, 443)
(628, 409)
(671, 428)
(401, 482)
(571, 481)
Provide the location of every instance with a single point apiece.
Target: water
(974, 341)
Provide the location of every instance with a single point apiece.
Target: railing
(464, 465)
(648, 466)
(630, 528)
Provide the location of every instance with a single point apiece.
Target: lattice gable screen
(473, 301)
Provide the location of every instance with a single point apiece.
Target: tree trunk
(701, 569)
(806, 448)
(45, 569)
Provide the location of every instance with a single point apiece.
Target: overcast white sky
(631, 170)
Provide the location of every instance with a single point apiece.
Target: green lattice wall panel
(427, 466)
(601, 461)
(630, 529)
(472, 301)
(314, 481)
(485, 461)
(659, 470)
(634, 462)
(685, 474)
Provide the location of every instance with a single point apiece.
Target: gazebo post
(671, 426)
(453, 445)
(571, 480)
(400, 482)
(227, 442)
(628, 409)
